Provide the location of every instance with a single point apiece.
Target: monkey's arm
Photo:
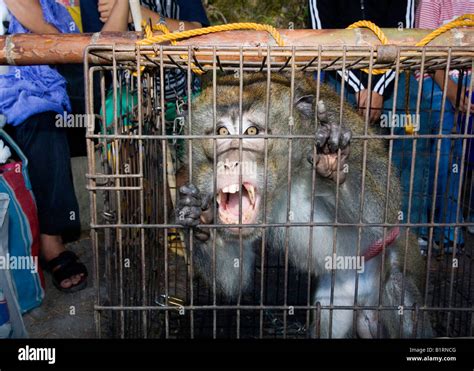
(330, 138)
(193, 208)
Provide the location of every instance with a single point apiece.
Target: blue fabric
(403, 154)
(29, 291)
(469, 151)
(447, 194)
(28, 90)
(193, 11)
(21, 241)
(90, 16)
(470, 127)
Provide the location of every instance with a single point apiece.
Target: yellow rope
(371, 26)
(204, 31)
(150, 38)
(466, 20)
(165, 31)
(465, 16)
(379, 33)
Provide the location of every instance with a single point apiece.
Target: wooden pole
(27, 49)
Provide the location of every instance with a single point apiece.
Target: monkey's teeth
(251, 191)
(222, 199)
(233, 188)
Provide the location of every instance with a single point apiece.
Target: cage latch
(386, 54)
(172, 301)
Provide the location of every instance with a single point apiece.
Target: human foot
(68, 273)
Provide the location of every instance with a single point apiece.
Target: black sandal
(67, 265)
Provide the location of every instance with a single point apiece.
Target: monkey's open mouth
(228, 200)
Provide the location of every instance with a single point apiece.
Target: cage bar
(159, 294)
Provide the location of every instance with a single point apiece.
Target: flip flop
(63, 267)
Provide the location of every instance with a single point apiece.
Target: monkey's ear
(305, 104)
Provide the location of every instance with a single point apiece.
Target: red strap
(377, 247)
(13, 175)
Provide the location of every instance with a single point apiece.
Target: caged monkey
(242, 195)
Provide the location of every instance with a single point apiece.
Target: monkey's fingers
(346, 136)
(189, 189)
(189, 216)
(334, 138)
(339, 138)
(322, 136)
(201, 235)
(324, 165)
(322, 113)
(207, 212)
(189, 195)
(328, 166)
(187, 200)
(206, 202)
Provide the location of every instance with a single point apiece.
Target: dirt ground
(65, 315)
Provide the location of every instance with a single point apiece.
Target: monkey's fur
(198, 200)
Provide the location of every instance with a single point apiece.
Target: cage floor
(461, 279)
(271, 323)
(243, 323)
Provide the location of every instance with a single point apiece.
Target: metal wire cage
(145, 275)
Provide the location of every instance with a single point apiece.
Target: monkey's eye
(222, 131)
(251, 130)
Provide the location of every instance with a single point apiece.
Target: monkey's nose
(229, 165)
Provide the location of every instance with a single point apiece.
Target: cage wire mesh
(146, 282)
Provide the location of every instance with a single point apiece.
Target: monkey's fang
(228, 199)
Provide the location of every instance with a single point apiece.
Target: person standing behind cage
(392, 14)
(342, 13)
(415, 190)
(176, 15)
(31, 97)
(432, 14)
